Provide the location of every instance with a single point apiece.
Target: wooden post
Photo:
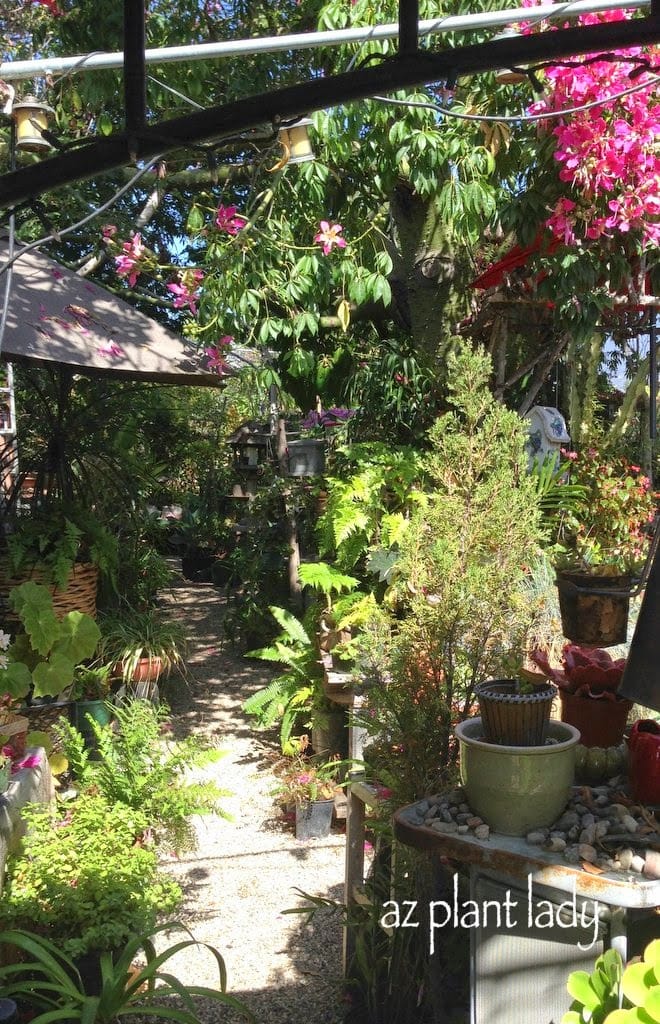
(295, 586)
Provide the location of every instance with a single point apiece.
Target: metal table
(532, 918)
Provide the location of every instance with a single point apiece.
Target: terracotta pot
(147, 670)
(644, 761)
(594, 619)
(600, 721)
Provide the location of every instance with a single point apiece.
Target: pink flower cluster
(609, 154)
(186, 289)
(329, 235)
(227, 219)
(130, 260)
(215, 354)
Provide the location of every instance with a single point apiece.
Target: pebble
(588, 835)
(445, 827)
(555, 844)
(588, 853)
(482, 831)
(637, 864)
(568, 820)
(601, 829)
(629, 823)
(535, 838)
(446, 816)
(572, 855)
(462, 829)
(474, 822)
(625, 857)
(587, 820)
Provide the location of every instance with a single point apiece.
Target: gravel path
(244, 873)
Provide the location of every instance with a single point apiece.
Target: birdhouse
(547, 433)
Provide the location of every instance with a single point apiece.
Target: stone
(444, 827)
(568, 820)
(464, 809)
(422, 807)
(482, 831)
(462, 829)
(601, 829)
(587, 820)
(474, 822)
(572, 855)
(535, 838)
(588, 835)
(625, 857)
(446, 816)
(652, 864)
(555, 844)
(637, 864)
(462, 818)
(629, 823)
(588, 853)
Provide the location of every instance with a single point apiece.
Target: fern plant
(293, 691)
(134, 765)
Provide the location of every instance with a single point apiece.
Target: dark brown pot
(514, 719)
(594, 619)
(601, 721)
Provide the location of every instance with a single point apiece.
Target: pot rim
(463, 730)
(543, 693)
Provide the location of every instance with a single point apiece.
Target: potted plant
(62, 546)
(587, 683)
(141, 645)
(515, 712)
(311, 788)
(47, 981)
(307, 454)
(603, 542)
(89, 696)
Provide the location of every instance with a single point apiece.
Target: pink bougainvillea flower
(109, 230)
(227, 219)
(51, 5)
(128, 261)
(329, 235)
(110, 350)
(185, 289)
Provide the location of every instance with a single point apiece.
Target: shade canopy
(58, 319)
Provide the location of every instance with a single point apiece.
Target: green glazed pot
(517, 789)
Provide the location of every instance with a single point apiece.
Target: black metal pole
(135, 89)
(408, 26)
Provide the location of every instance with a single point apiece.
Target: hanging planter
(306, 457)
(515, 713)
(594, 609)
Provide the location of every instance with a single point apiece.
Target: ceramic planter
(589, 614)
(82, 711)
(314, 819)
(517, 789)
(306, 457)
(600, 722)
(644, 761)
(512, 718)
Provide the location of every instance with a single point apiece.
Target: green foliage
(83, 879)
(137, 766)
(47, 981)
(457, 591)
(129, 634)
(46, 655)
(290, 693)
(56, 536)
(612, 995)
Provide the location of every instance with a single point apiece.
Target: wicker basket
(78, 595)
(514, 719)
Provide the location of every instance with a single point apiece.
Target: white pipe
(18, 69)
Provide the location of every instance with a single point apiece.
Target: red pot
(644, 761)
(601, 721)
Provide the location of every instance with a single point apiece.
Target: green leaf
(79, 637)
(16, 679)
(579, 987)
(652, 1004)
(637, 981)
(104, 123)
(344, 314)
(326, 578)
(53, 676)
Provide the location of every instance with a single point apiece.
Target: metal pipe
(220, 122)
(21, 69)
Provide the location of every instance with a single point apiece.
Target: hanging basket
(594, 609)
(514, 719)
(79, 594)
(306, 457)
